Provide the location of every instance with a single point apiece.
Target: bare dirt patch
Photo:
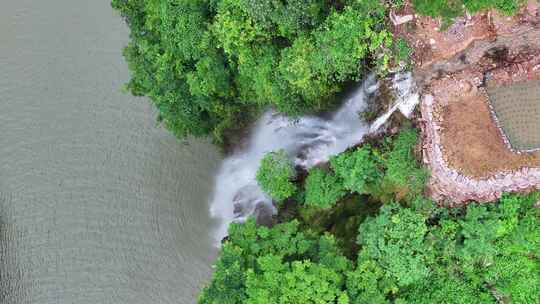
(472, 142)
(462, 144)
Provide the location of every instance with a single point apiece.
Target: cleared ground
(517, 108)
(472, 143)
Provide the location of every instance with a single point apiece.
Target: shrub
(404, 176)
(450, 9)
(323, 189)
(359, 169)
(275, 174)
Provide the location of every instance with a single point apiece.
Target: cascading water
(309, 140)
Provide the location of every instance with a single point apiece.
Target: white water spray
(406, 100)
(309, 140)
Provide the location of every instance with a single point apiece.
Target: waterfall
(406, 99)
(309, 140)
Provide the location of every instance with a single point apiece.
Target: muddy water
(97, 203)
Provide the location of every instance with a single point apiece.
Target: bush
(450, 9)
(404, 176)
(323, 189)
(275, 174)
(359, 169)
(418, 254)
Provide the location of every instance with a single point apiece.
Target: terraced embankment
(463, 143)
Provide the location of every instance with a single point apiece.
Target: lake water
(98, 204)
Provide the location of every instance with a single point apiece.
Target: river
(98, 204)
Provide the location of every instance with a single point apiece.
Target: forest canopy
(209, 64)
(405, 249)
(409, 254)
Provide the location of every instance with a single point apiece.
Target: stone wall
(476, 51)
(450, 187)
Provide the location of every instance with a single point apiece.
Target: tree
(358, 169)
(323, 189)
(174, 60)
(409, 254)
(395, 240)
(281, 264)
(403, 176)
(209, 64)
(482, 254)
(228, 281)
(367, 283)
(275, 174)
(291, 283)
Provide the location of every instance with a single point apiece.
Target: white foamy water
(406, 99)
(309, 140)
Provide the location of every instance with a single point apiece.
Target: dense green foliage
(323, 189)
(416, 254)
(209, 64)
(277, 265)
(389, 172)
(449, 9)
(275, 175)
(410, 251)
(358, 169)
(434, 255)
(403, 176)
